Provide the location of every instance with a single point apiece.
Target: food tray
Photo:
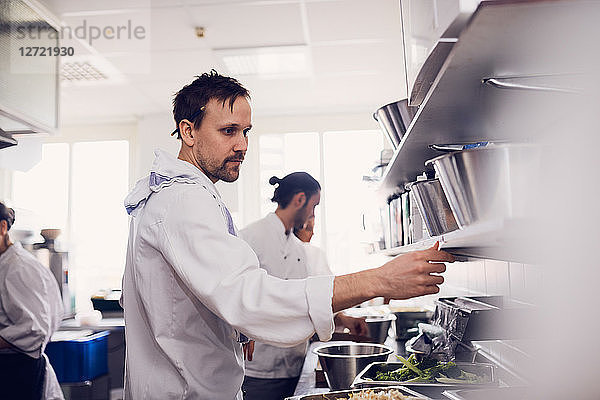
(343, 394)
(499, 393)
(365, 378)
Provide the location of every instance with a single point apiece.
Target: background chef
(274, 371)
(30, 312)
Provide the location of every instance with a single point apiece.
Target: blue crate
(80, 358)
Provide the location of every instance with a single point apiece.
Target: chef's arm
(409, 275)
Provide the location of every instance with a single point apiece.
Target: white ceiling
(354, 50)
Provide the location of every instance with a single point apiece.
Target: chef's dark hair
(7, 214)
(289, 185)
(190, 102)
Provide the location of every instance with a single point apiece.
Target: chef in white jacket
(274, 371)
(30, 312)
(193, 290)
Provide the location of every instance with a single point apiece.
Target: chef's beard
(301, 217)
(227, 171)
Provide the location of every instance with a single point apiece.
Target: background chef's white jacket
(286, 257)
(190, 286)
(30, 308)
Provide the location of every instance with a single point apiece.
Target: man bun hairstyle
(290, 185)
(190, 102)
(7, 214)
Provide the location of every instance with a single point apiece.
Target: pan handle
(505, 84)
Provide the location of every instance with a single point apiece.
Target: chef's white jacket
(191, 286)
(286, 257)
(30, 309)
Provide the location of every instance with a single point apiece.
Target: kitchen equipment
(408, 319)
(433, 205)
(379, 326)
(78, 356)
(395, 208)
(343, 394)
(50, 234)
(457, 147)
(481, 318)
(394, 119)
(499, 393)
(342, 362)
(107, 301)
(366, 378)
(58, 262)
(489, 183)
(416, 226)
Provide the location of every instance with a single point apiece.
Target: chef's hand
(357, 326)
(248, 350)
(409, 275)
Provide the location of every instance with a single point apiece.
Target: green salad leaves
(429, 370)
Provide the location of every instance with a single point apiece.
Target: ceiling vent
(84, 71)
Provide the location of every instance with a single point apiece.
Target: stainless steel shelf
(498, 240)
(498, 42)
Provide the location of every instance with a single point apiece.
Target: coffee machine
(58, 261)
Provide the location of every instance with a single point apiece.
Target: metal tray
(366, 377)
(499, 393)
(343, 394)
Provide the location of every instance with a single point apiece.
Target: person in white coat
(30, 312)
(193, 290)
(274, 371)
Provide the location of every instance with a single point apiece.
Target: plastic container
(78, 356)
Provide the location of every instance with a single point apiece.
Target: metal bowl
(379, 326)
(342, 362)
(434, 207)
(489, 183)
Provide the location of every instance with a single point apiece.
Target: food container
(490, 183)
(499, 393)
(366, 378)
(379, 326)
(406, 320)
(78, 356)
(342, 362)
(433, 205)
(394, 119)
(344, 394)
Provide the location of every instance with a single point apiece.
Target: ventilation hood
(29, 85)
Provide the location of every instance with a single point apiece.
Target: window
(99, 223)
(43, 191)
(347, 157)
(79, 188)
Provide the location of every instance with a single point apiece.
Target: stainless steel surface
(429, 71)
(379, 326)
(343, 394)
(366, 377)
(394, 119)
(490, 183)
(434, 206)
(406, 320)
(498, 40)
(500, 393)
(342, 362)
(507, 84)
